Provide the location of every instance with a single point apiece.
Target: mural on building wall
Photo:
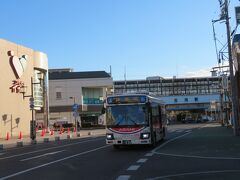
(18, 65)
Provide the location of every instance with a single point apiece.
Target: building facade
(236, 77)
(23, 76)
(85, 89)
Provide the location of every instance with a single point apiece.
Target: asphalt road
(91, 158)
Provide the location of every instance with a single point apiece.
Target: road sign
(75, 114)
(31, 103)
(75, 107)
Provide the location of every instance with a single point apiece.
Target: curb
(21, 143)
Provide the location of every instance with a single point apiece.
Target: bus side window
(160, 115)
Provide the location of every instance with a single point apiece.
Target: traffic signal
(31, 103)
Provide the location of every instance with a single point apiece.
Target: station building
(194, 96)
(85, 89)
(23, 76)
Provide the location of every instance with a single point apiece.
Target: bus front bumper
(128, 142)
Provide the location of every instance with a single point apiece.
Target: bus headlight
(145, 135)
(110, 136)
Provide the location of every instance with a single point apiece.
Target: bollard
(46, 140)
(57, 138)
(89, 133)
(33, 141)
(20, 144)
(69, 136)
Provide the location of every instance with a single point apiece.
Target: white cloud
(205, 72)
(198, 73)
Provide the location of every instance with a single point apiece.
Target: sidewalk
(16, 142)
(213, 140)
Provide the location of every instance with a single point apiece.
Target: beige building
(87, 89)
(23, 75)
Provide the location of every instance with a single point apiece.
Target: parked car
(206, 118)
(188, 119)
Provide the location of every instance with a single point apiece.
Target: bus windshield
(122, 115)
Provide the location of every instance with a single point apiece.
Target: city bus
(134, 119)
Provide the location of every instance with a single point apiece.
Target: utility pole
(233, 84)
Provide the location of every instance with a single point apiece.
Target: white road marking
(123, 177)
(194, 173)
(57, 147)
(199, 157)
(47, 154)
(149, 154)
(142, 160)
(179, 131)
(133, 168)
(53, 162)
(164, 144)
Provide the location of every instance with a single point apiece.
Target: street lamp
(31, 100)
(75, 110)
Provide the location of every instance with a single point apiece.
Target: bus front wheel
(154, 140)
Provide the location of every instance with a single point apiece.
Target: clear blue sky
(148, 37)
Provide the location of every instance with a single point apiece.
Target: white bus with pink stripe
(134, 119)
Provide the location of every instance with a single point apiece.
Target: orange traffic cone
(42, 134)
(20, 135)
(7, 138)
(51, 132)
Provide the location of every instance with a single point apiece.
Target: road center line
(123, 177)
(46, 154)
(53, 162)
(57, 147)
(149, 154)
(199, 157)
(133, 168)
(142, 160)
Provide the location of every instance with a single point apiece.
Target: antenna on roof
(125, 79)
(110, 70)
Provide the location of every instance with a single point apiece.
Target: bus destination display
(126, 99)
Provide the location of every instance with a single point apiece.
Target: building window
(58, 95)
(196, 99)
(186, 99)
